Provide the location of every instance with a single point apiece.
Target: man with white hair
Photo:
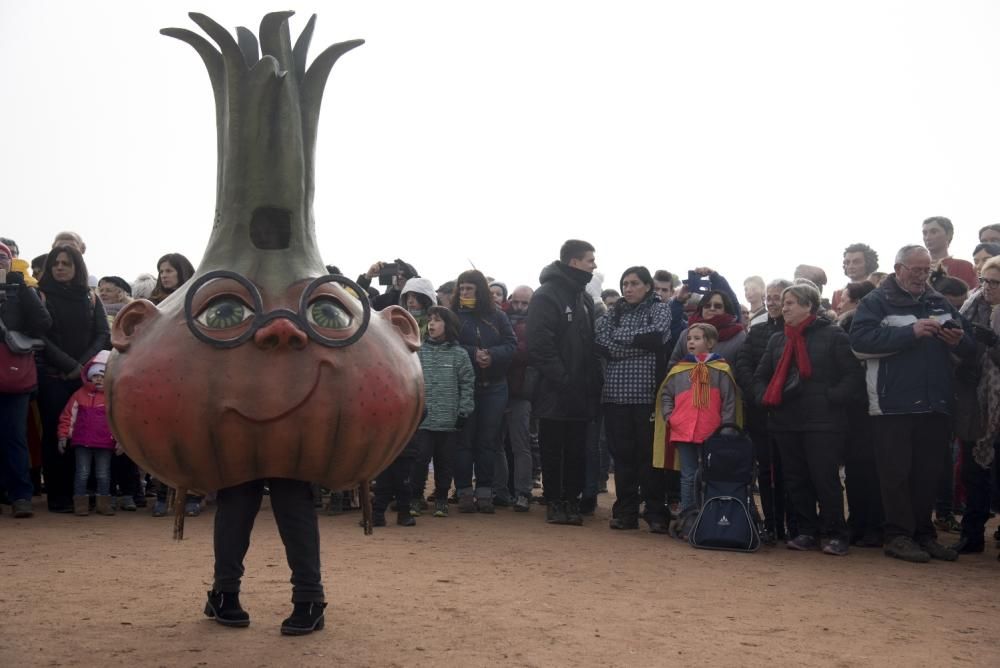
(907, 333)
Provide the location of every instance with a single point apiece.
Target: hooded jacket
(906, 374)
(448, 384)
(560, 334)
(84, 420)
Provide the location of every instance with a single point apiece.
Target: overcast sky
(748, 136)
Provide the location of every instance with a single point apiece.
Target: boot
(573, 516)
(104, 505)
(81, 505)
(405, 519)
(555, 512)
(127, 503)
(225, 608)
(306, 618)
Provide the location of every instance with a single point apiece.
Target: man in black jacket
(561, 349)
(769, 474)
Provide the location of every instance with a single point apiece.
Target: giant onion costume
(263, 366)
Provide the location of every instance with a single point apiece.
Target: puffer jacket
(560, 336)
(84, 420)
(631, 373)
(689, 423)
(906, 374)
(448, 384)
(822, 401)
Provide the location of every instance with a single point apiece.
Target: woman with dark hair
(173, 271)
(79, 331)
(864, 497)
(716, 308)
(633, 336)
(807, 379)
(850, 297)
(21, 311)
(487, 336)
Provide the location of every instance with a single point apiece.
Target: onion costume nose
(280, 333)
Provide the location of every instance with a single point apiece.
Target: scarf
(665, 453)
(701, 386)
(795, 346)
(725, 323)
(467, 302)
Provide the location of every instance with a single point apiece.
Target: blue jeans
(689, 472)
(480, 440)
(14, 457)
(101, 458)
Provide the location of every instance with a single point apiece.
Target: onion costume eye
(328, 313)
(224, 312)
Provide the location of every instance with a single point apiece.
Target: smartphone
(696, 283)
(387, 274)
(951, 324)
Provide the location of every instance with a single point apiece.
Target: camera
(696, 283)
(387, 274)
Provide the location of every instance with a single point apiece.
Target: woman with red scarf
(807, 380)
(716, 308)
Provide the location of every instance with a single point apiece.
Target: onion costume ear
(130, 322)
(403, 322)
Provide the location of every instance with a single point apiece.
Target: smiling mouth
(258, 418)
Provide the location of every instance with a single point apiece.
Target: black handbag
(20, 343)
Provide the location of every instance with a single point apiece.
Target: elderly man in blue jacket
(910, 338)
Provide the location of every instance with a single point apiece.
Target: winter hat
(420, 286)
(98, 364)
(118, 281)
(502, 286)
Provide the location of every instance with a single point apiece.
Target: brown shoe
(81, 505)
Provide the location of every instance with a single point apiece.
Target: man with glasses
(907, 333)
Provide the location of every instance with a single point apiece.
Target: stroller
(728, 519)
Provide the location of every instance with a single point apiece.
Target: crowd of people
(888, 391)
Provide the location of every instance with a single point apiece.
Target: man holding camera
(907, 333)
(393, 274)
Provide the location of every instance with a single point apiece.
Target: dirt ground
(474, 590)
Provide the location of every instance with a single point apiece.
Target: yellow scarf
(664, 454)
(467, 302)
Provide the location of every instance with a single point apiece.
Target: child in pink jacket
(84, 425)
(699, 395)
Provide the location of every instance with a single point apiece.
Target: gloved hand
(460, 422)
(62, 446)
(651, 341)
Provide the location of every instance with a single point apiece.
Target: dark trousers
(908, 455)
(480, 441)
(124, 476)
(864, 499)
(564, 458)
(630, 441)
(439, 446)
(58, 469)
(394, 483)
(977, 482)
(770, 482)
(292, 503)
(811, 463)
(15, 478)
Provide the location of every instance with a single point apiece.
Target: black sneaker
(938, 551)
(225, 608)
(306, 618)
(555, 512)
(405, 519)
(835, 546)
(803, 543)
(903, 547)
(522, 504)
(624, 524)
